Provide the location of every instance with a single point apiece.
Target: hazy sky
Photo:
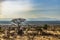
(30, 9)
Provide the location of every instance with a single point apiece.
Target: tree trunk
(18, 27)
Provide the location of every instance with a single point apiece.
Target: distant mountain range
(43, 19)
(32, 19)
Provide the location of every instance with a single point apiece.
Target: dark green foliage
(45, 26)
(0, 28)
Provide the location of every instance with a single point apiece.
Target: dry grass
(55, 35)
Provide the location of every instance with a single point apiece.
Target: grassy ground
(35, 38)
(31, 34)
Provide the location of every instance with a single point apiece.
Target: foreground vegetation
(16, 31)
(30, 32)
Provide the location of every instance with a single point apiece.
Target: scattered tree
(45, 26)
(18, 21)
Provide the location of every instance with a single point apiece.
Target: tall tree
(18, 21)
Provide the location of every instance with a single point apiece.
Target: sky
(30, 9)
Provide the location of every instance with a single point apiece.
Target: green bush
(45, 26)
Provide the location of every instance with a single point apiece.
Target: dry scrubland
(30, 32)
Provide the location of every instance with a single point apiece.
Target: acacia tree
(18, 21)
